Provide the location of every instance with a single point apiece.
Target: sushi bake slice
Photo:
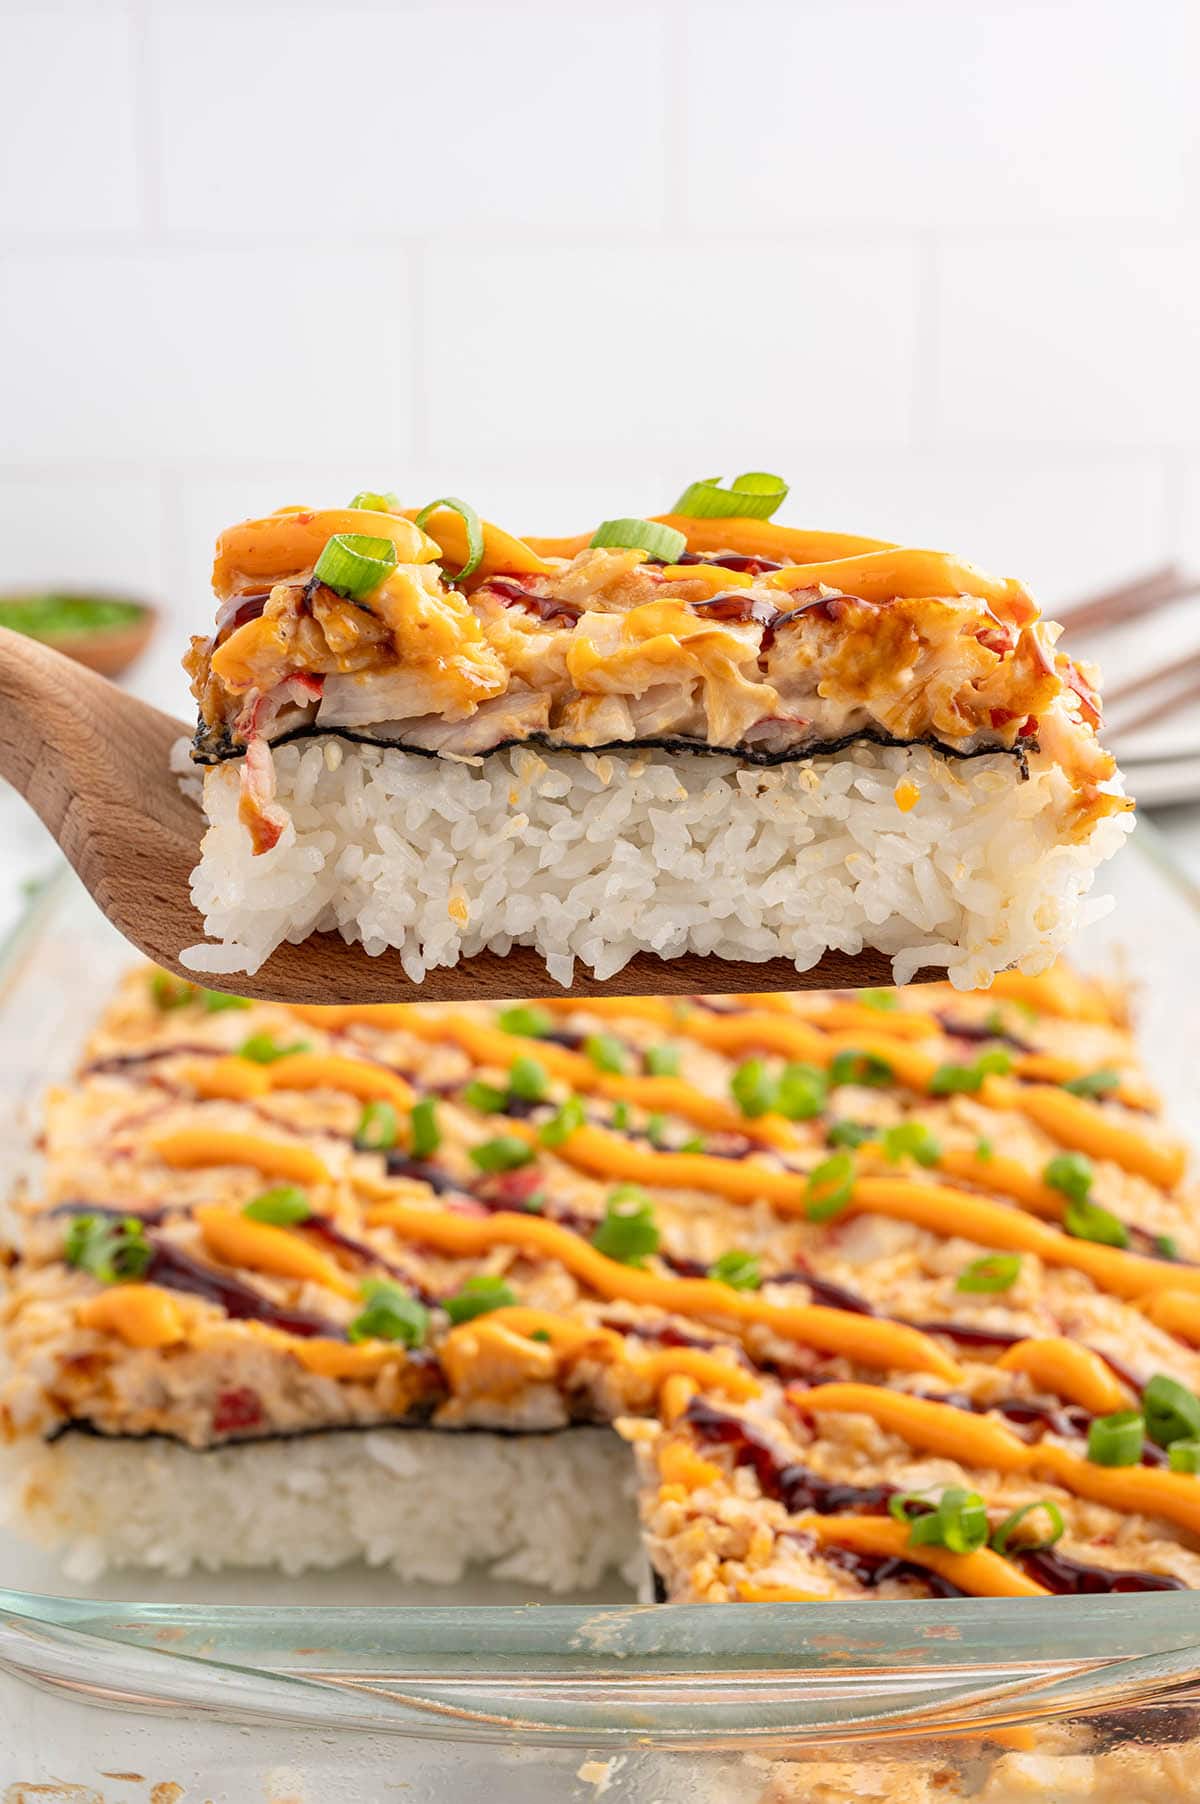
(693, 734)
(892, 1296)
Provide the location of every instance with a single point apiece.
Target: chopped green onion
(563, 1123)
(694, 1145)
(529, 1023)
(376, 503)
(621, 1116)
(830, 1185)
(860, 1068)
(378, 1128)
(628, 1232)
(390, 1314)
(1172, 1411)
(485, 1098)
(527, 1079)
(803, 1091)
(957, 1521)
(1070, 1173)
(504, 1153)
(739, 1269)
(1088, 1221)
(474, 526)
(478, 1296)
(994, 1021)
(754, 496)
(993, 1273)
(353, 565)
(664, 542)
(883, 1000)
(662, 1061)
(753, 1088)
(216, 1001)
(607, 1053)
(911, 1140)
(965, 1080)
(1184, 1456)
(849, 1133)
(282, 1206)
(264, 1049)
(1166, 1246)
(656, 1129)
(112, 1251)
(1002, 1535)
(540, 1334)
(1094, 1083)
(984, 1150)
(424, 1134)
(1116, 1440)
(170, 992)
(534, 1204)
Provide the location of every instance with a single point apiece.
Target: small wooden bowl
(110, 650)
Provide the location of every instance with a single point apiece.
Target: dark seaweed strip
(214, 746)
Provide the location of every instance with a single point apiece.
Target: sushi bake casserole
(891, 1295)
(700, 733)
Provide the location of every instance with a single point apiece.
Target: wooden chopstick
(1141, 596)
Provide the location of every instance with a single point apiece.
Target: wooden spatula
(94, 763)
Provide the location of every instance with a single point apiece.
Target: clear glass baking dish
(347, 1688)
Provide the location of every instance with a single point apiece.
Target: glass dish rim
(929, 1666)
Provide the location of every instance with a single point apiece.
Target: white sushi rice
(554, 1511)
(597, 856)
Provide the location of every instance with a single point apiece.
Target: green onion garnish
(390, 1314)
(883, 1000)
(739, 1269)
(504, 1153)
(662, 1061)
(378, 1128)
(664, 542)
(527, 1079)
(984, 1150)
(1094, 1083)
(860, 1068)
(376, 503)
(353, 565)
(1088, 1221)
(849, 1133)
(1002, 1535)
(802, 1092)
(753, 1088)
(694, 1145)
(282, 1206)
(830, 1186)
(264, 1049)
(911, 1140)
(1116, 1440)
(113, 1251)
(562, 1124)
(607, 1053)
(540, 1334)
(1166, 1246)
(1070, 1173)
(1172, 1411)
(994, 1272)
(486, 1099)
(478, 1296)
(474, 526)
(1184, 1456)
(965, 1080)
(529, 1023)
(424, 1134)
(656, 1129)
(621, 1117)
(628, 1232)
(754, 496)
(216, 1001)
(957, 1521)
(170, 992)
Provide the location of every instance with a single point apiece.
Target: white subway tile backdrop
(939, 261)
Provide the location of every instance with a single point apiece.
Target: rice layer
(554, 1511)
(597, 857)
